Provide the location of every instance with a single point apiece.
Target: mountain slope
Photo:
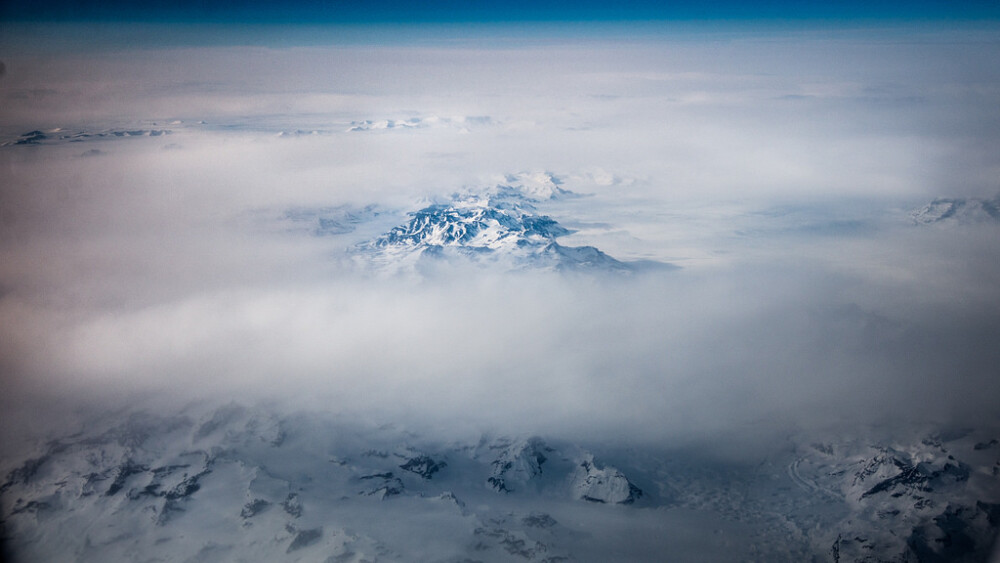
(500, 226)
(958, 210)
(239, 483)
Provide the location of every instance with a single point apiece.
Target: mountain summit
(958, 210)
(499, 225)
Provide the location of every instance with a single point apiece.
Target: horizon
(451, 11)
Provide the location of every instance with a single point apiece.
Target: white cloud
(773, 171)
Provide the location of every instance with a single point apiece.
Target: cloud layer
(777, 170)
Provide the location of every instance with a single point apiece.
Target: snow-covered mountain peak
(536, 185)
(460, 123)
(518, 463)
(498, 225)
(593, 483)
(60, 135)
(958, 210)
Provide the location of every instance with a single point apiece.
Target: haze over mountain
(499, 290)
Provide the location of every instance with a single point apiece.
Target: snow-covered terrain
(958, 210)
(597, 292)
(60, 135)
(463, 123)
(500, 225)
(232, 482)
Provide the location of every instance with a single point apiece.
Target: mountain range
(232, 482)
(958, 210)
(497, 226)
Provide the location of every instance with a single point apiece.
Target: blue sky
(405, 11)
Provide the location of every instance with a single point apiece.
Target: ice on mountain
(187, 487)
(933, 498)
(31, 138)
(292, 506)
(958, 210)
(254, 507)
(477, 120)
(897, 473)
(579, 258)
(268, 429)
(369, 125)
(498, 226)
(423, 465)
(538, 185)
(602, 485)
(381, 485)
(58, 135)
(126, 470)
(450, 497)
(301, 133)
(908, 501)
(462, 123)
(518, 463)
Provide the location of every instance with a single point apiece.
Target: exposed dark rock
(125, 470)
(31, 507)
(254, 507)
(918, 477)
(539, 520)
(187, 487)
(423, 466)
(292, 506)
(603, 485)
(949, 542)
(31, 138)
(90, 485)
(23, 474)
(992, 511)
(518, 463)
(383, 485)
(168, 469)
(499, 222)
(958, 210)
(985, 445)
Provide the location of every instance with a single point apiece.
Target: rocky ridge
(500, 225)
(235, 482)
